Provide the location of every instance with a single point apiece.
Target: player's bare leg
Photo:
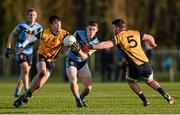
(39, 80)
(19, 86)
(38, 83)
(85, 76)
(41, 77)
(87, 89)
(155, 85)
(23, 79)
(72, 75)
(135, 87)
(26, 70)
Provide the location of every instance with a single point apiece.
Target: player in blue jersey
(76, 62)
(24, 33)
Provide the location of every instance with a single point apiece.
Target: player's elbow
(147, 37)
(109, 44)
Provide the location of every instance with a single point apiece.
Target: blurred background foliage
(157, 17)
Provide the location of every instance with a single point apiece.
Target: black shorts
(49, 65)
(143, 71)
(24, 58)
(78, 65)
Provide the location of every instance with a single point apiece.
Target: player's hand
(75, 47)
(8, 52)
(86, 48)
(154, 44)
(20, 50)
(150, 40)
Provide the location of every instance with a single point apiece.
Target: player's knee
(73, 82)
(42, 72)
(25, 71)
(149, 81)
(88, 88)
(72, 79)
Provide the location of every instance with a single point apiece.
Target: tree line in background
(157, 17)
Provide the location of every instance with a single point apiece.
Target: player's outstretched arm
(149, 39)
(103, 45)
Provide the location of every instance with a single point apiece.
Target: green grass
(105, 98)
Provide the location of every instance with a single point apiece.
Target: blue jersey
(81, 38)
(22, 32)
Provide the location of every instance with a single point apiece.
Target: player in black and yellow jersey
(129, 43)
(51, 42)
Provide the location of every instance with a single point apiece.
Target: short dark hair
(30, 10)
(93, 23)
(119, 22)
(54, 17)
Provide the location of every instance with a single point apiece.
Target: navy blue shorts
(24, 58)
(78, 65)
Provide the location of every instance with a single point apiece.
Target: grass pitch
(105, 98)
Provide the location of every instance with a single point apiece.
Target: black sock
(28, 94)
(161, 91)
(82, 97)
(142, 97)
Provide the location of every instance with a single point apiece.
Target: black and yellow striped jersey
(129, 43)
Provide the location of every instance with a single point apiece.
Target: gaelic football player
(76, 63)
(51, 42)
(25, 32)
(129, 43)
